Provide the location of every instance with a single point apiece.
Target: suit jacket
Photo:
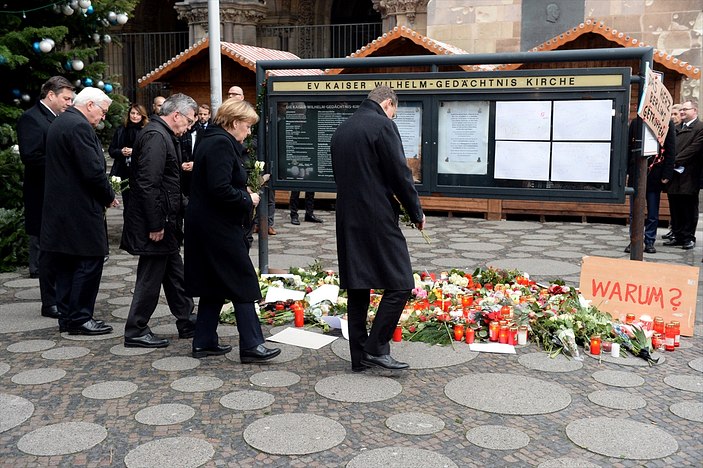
(77, 190)
(32, 128)
(371, 173)
(155, 199)
(216, 251)
(689, 155)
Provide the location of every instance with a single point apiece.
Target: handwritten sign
(642, 288)
(655, 107)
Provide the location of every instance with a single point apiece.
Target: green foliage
(114, 118)
(11, 171)
(13, 240)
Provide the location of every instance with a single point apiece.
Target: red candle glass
(469, 335)
(595, 345)
(458, 332)
(677, 336)
(298, 315)
(503, 334)
(630, 318)
(493, 331)
(670, 330)
(398, 334)
(659, 325)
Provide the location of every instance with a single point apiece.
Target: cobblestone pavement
(91, 402)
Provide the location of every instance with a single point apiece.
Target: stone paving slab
(61, 439)
(14, 410)
(401, 457)
(306, 433)
(171, 452)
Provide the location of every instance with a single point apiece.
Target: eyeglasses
(234, 94)
(104, 111)
(190, 121)
(683, 109)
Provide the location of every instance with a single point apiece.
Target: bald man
(236, 93)
(156, 105)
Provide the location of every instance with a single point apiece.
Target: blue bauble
(88, 81)
(36, 47)
(3, 60)
(90, 10)
(16, 93)
(68, 66)
(107, 88)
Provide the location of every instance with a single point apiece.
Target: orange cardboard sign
(655, 107)
(641, 288)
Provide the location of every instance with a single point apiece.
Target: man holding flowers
(372, 176)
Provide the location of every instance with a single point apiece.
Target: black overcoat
(689, 155)
(77, 191)
(372, 176)
(216, 254)
(155, 200)
(32, 128)
(660, 166)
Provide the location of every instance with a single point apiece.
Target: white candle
(615, 350)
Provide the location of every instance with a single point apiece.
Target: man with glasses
(73, 232)
(56, 96)
(153, 223)
(235, 92)
(685, 184)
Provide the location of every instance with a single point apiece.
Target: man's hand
(126, 152)
(421, 225)
(156, 236)
(115, 203)
(665, 181)
(255, 198)
(187, 166)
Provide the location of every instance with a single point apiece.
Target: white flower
(259, 165)
(116, 179)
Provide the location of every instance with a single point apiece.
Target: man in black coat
(153, 223)
(372, 177)
(73, 231)
(685, 184)
(56, 96)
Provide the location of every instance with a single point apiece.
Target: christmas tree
(40, 39)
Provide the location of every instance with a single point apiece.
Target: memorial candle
(398, 334)
(469, 335)
(670, 331)
(493, 330)
(298, 315)
(522, 335)
(458, 332)
(503, 334)
(595, 345)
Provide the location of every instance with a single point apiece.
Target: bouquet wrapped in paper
(568, 342)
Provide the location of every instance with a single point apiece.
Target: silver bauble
(122, 18)
(45, 46)
(84, 3)
(107, 38)
(77, 64)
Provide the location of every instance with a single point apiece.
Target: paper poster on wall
(408, 119)
(522, 160)
(583, 120)
(523, 120)
(580, 162)
(462, 146)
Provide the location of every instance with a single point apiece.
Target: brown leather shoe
(272, 231)
(256, 228)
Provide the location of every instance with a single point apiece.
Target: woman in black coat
(122, 143)
(217, 263)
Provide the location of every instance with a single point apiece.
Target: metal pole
(213, 19)
(261, 149)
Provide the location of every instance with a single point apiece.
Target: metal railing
(132, 55)
(319, 41)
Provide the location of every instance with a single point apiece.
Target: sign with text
(642, 288)
(655, 108)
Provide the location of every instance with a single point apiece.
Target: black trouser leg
(179, 302)
(34, 267)
(47, 281)
(309, 203)
(357, 313)
(206, 322)
(248, 325)
(150, 275)
(389, 311)
(293, 202)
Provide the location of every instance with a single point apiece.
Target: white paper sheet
(581, 162)
(326, 292)
(522, 160)
(523, 120)
(335, 321)
(462, 147)
(282, 294)
(302, 338)
(583, 120)
(408, 119)
(492, 348)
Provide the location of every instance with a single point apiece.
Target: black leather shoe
(360, 368)
(649, 248)
(295, 220)
(186, 333)
(672, 241)
(218, 350)
(385, 361)
(34, 275)
(313, 219)
(146, 341)
(688, 245)
(628, 248)
(50, 311)
(91, 327)
(668, 235)
(258, 354)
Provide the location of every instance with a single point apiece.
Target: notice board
(642, 288)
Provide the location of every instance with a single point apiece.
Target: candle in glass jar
(656, 341)
(398, 334)
(503, 334)
(630, 319)
(595, 345)
(606, 346)
(512, 335)
(670, 331)
(615, 350)
(658, 325)
(470, 335)
(677, 336)
(458, 332)
(522, 335)
(646, 321)
(493, 331)
(298, 315)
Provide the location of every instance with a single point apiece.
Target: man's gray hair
(179, 103)
(381, 93)
(91, 94)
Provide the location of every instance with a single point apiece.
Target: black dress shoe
(360, 368)
(186, 333)
(688, 245)
(218, 350)
(628, 248)
(385, 361)
(34, 275)
(672, 241)
(91, 327)
(50, 311)
(146, 341)
(649, 248)
(313, 219)
(258, 354)
(295, 220)
(668, 235)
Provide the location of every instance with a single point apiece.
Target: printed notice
(580, 162)
(463, 137)
(523, 120)
(583, 120)
(522, 160)
(408, 119)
